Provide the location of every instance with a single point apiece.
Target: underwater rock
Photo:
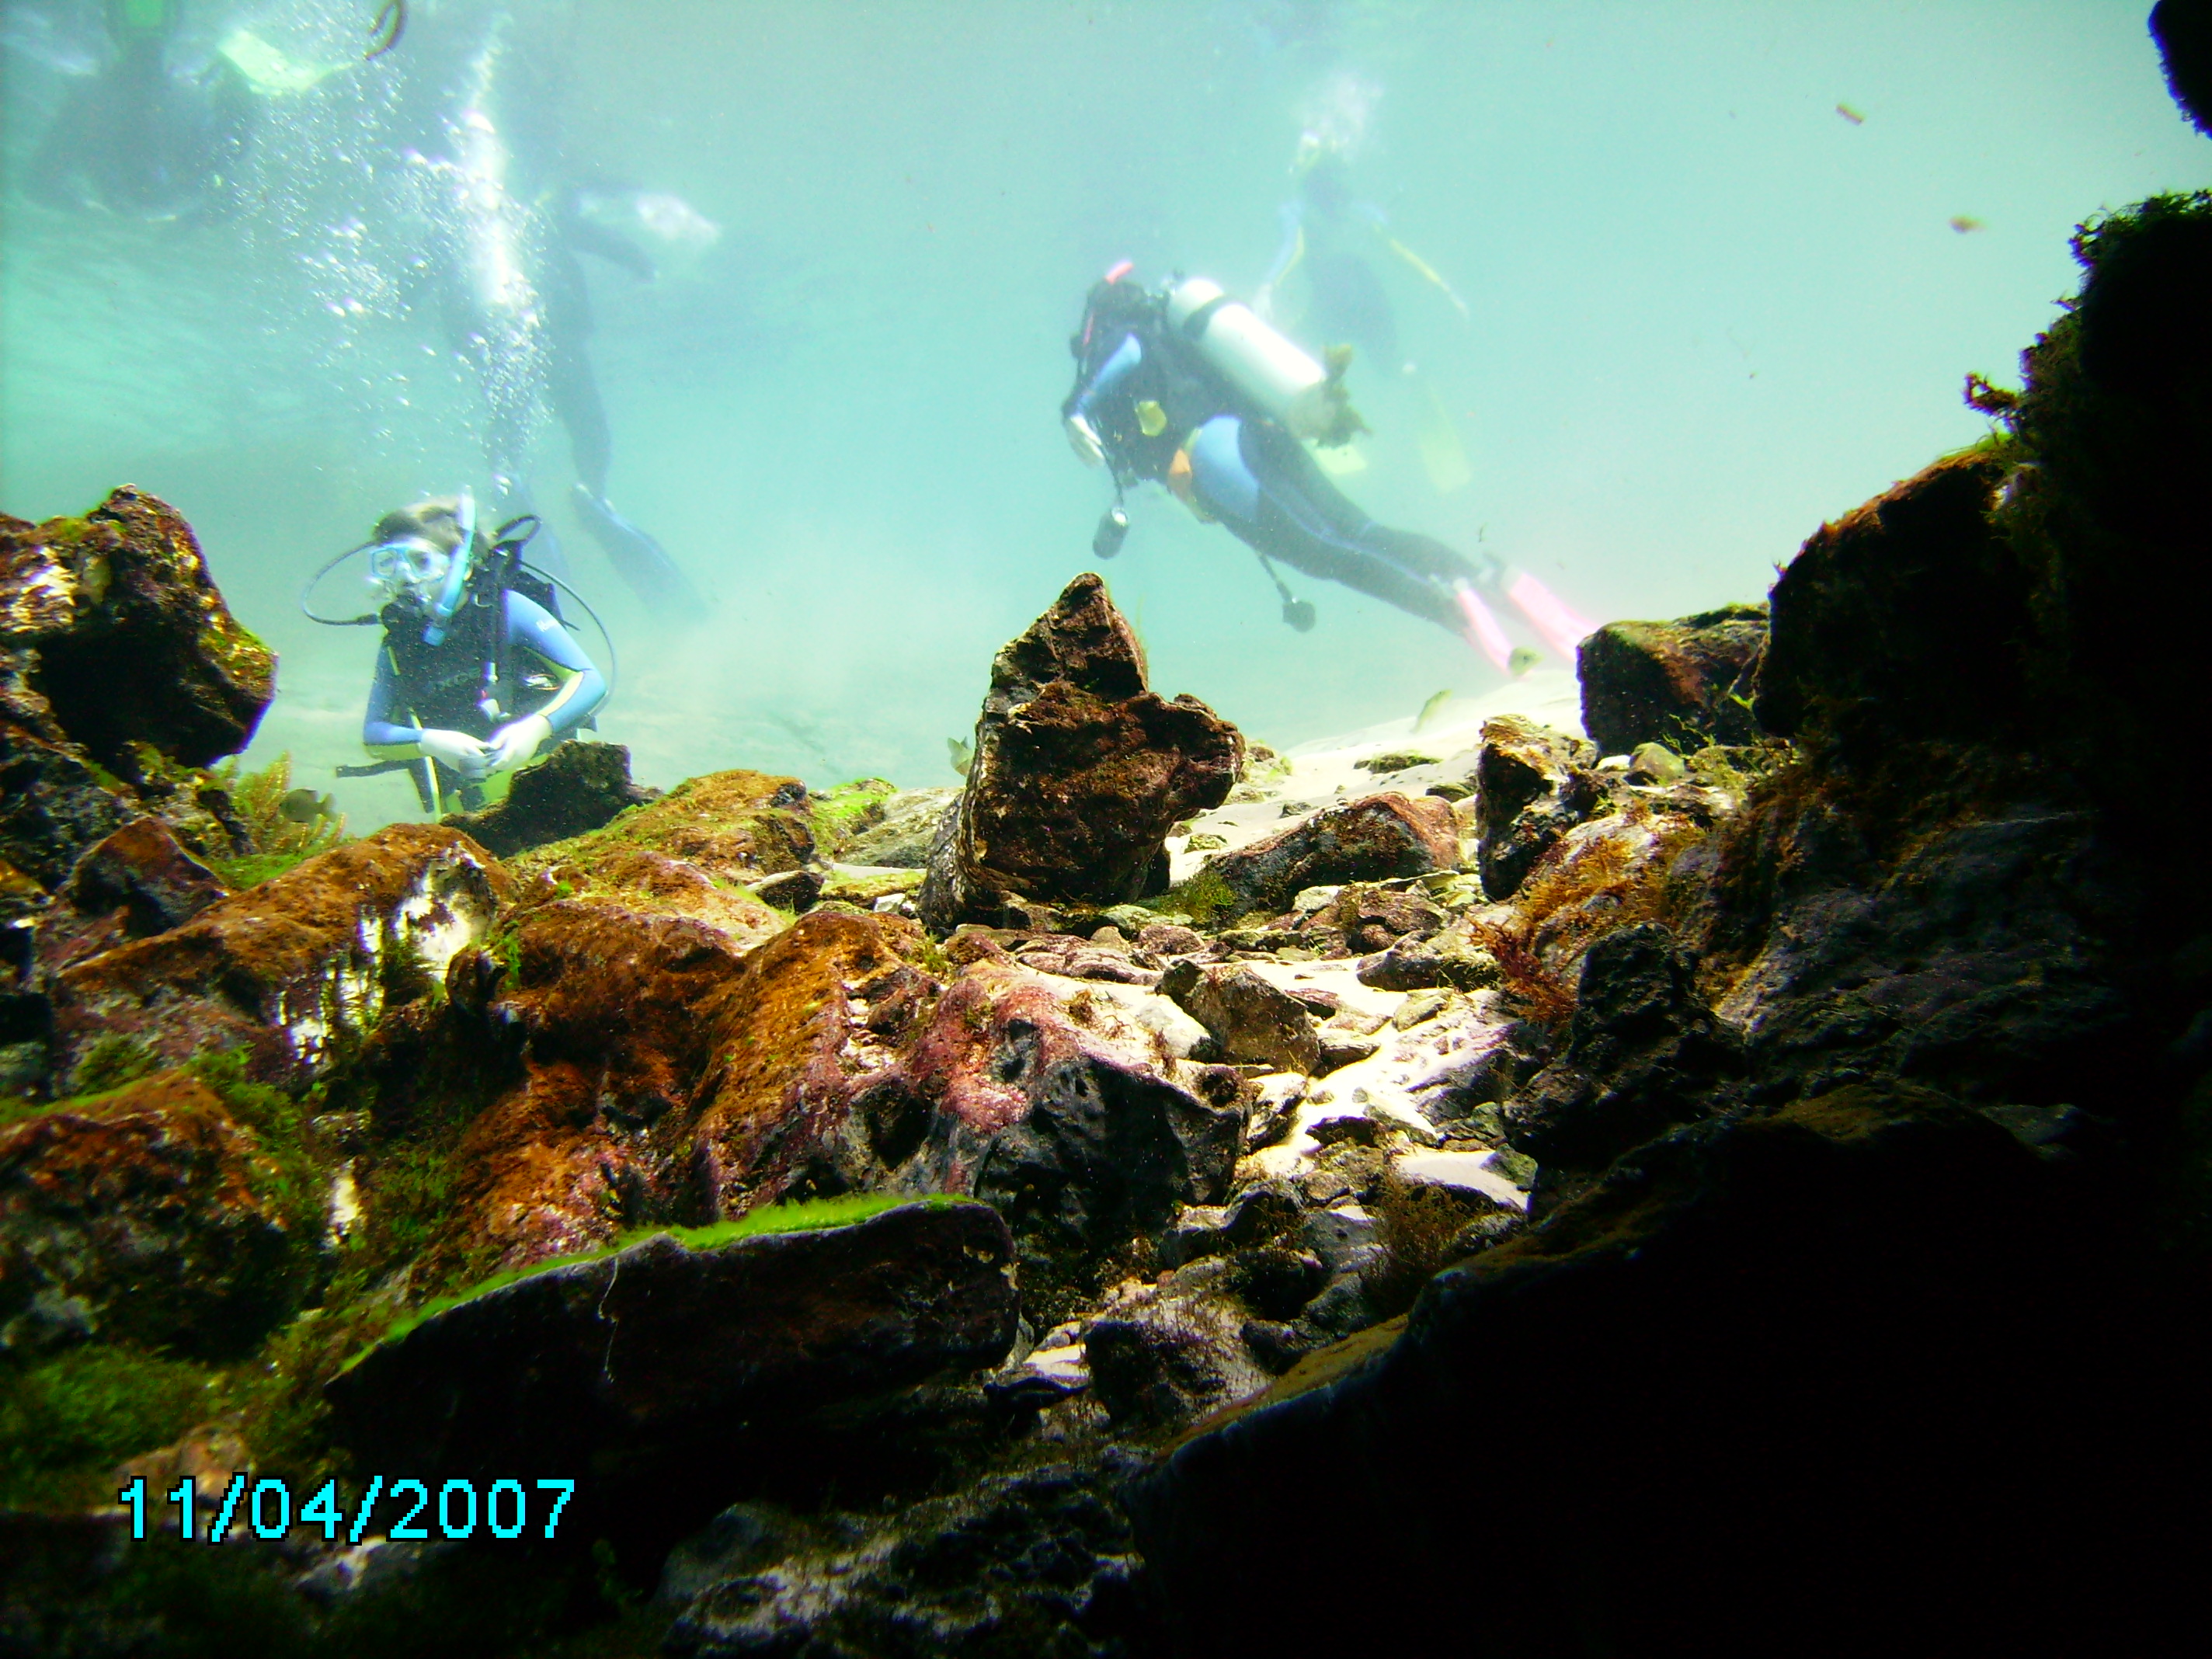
(1532, 785)
(1685, 684)
(1371, 918)
(1725, 1360)
(1249, 1019)
(735, 826)
(1976, 961)
(141, 869)
(1903, 620)
(147, 1215)
(53, 803)
(134, 643)
(1069, 1110)
(2183, 29)
(1038, 1561)
(1079, 771)
(902, 834)
(659, 1357)
(1643, 1054)
(291, 971)
(1372, 838)
(578, 788)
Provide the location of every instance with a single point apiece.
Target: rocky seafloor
(1736, 1181)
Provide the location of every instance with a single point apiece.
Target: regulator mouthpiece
(457, 573)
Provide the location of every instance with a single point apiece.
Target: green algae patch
(802, 1216)
(847, 809)
(65, 1421)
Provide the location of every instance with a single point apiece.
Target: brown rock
(1248, 1017)
(291, 969)
(1371, 839)
(734, 826)
(1534, 785)
(1685, 684)
(1079, 771)
(578, 788)
(52, 804)
(134, 643)
(1371, 917)
(141, 869)
(148, 1215)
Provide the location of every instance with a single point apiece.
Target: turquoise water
(1706, 310)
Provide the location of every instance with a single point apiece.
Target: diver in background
(157, 123)
(474, 677)
(506, 230)
(1187, 388)
(1327, 259)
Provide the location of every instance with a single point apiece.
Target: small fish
(1521, 661)
(1850, 115)
(962, 755)
(1429, 708)
(304, 807)
(1963, 222)
(391, 23)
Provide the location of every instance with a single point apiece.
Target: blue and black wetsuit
(1161, 413)
(484, 674)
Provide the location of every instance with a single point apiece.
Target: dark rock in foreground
(1373, 838)
(1033, 1563)
(577, 787)
(2184, 31)
(657, 1356)
(1684, 683)
(1779, 1384)
(1079, 771)
(148, 1215)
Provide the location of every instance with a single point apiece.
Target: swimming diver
(474, 677)
(1188, 388)
(158, 122)
(508, 237)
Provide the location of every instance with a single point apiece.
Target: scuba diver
(477, 673)
(1188, 388)
(158, 122)
(1336, 293)
(506, 236)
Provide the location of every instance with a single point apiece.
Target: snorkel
(457, 572)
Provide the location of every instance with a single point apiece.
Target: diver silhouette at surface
(504, 230)
(155, 123)
(1187, 388)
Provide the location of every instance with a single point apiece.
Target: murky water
(1723, 268)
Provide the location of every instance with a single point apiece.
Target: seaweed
(275, 844)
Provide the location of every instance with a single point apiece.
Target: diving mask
(410, 564)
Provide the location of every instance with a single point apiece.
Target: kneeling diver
(474, 677)
(1188, 388)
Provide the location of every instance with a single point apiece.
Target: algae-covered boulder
(134, 643)
(147, 1215)
(576, 788)
(662, 1360)
(293, 969)
(1372, 838)
(1686, 683)
(1903, 620)
(1079, 770)
(53, 804)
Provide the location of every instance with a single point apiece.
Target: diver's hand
(517, 741)
(1083, 438)
(457, 751)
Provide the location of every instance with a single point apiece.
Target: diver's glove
(1083, 438)
(470, 757)
(517, 741)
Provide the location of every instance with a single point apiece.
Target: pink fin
(1547, 613)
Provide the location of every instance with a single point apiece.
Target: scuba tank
(1275, 374)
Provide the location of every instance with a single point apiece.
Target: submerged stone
(1079, 771)
(1685, 684)
(1372, 838)
(578, 788)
